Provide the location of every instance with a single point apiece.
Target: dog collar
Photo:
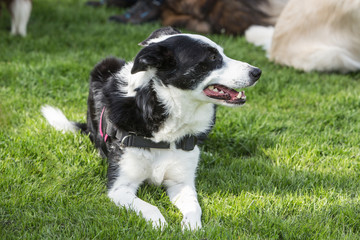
(127, 139)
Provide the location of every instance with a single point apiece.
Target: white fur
(20, 11)
(174, 168)
(321, 36)
(187, 114)
(57, 119)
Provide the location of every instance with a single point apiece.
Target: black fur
(100, 76)
(142, 114)
(182, 61)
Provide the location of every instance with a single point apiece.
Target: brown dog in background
(220, 16)
(20, 13)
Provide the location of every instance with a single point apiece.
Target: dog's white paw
(191, 222)
(153, 215)
(159, 223)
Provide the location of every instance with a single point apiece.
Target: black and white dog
(146, 115)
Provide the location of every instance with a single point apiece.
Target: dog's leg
(184, 197)
(124, 195)
(125, 177)
(20, 11)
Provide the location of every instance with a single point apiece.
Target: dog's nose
(255, 74)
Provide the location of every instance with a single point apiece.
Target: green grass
(285, 166)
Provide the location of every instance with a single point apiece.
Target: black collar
(127, 139)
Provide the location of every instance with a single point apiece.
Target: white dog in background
(20, 13)
(322, 35)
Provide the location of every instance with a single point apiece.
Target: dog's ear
(159, 33)
(106, 68)
(147, 103)
(154, 56)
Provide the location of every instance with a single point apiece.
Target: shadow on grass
(235, 165)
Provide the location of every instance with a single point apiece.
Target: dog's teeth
(215, 90)
(211, 87)
(239, 95)
(221, 92)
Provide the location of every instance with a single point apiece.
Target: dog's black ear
(152, 112)
(154, 56)
(106, 68)
(159, 33)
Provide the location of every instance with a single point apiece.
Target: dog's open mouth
(226, 94)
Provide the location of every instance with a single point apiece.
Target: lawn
(284, 166)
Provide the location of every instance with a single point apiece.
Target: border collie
(146, 115)
(321, 35)
(20, 13)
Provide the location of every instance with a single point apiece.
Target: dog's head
(193, 62)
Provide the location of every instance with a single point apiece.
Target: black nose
(255, 74)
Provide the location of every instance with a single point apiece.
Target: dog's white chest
(158, 166)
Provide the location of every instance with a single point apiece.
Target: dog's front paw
(191, 222)
(159, 223)
(154, 216)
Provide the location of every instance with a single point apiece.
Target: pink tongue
(218, 95)
(227, 95)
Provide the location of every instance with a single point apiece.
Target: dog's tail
(57, 119)
(260, 36)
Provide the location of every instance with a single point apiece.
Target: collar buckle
(123, 144)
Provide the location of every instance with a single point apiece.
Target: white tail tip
(57, 119)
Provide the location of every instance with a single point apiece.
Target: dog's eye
(213, 57)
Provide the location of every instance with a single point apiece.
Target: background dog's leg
(125, 195)
(184, 197)
(20, 11)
